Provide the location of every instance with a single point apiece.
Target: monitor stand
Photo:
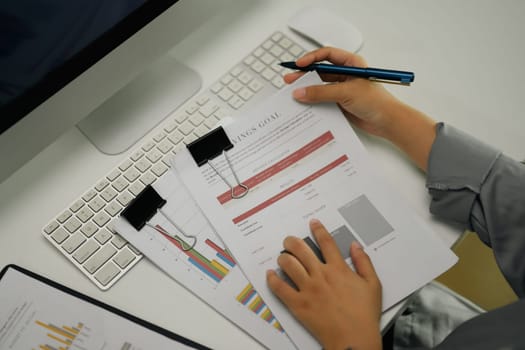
(124, 118)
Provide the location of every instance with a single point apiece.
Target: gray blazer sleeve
(475, 185)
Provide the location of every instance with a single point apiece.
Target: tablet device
(37, 313)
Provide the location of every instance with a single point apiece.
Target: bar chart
(63, 337)
(215, 267)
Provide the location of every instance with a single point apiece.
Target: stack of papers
(299, 162)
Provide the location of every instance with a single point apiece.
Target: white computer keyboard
(83, 230)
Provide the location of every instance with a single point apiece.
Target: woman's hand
(341, 308)
(368, 105)
(365, 103)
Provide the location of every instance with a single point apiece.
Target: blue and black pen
(377, 74)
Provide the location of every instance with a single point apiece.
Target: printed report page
(301, 162)
(34, 315)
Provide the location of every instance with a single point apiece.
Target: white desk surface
(467, 56)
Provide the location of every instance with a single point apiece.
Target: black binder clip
(143, 207)
(210, 146)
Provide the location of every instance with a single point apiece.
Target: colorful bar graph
(257, 304)
(221, 253)
(249, 297)
(211, 268)
(64, 335)
(246, 294)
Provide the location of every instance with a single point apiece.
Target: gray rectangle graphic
(365, 220)
(343, 238)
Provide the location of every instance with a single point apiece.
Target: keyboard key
(258, 66)
(149, 145)
(276, 50)
(201, 101)
(103, 236)
(124, 198)
(124, 258)
(277, 36)
(196, 120)
(236, 71)
(52, 226)
(278, 82)
(186, 128)
(285, 42)
(101, 185)
(137, 155)
(85, 214)
(245, 94)
(296, 50)
(216, 88)
(154, 155)
(73, 242)
(219, 114)
(60, 235)
(113, 175)
(287, 57)
(226, 79)
(235, 85)
(107, 274)
(89, 229)
(108, 194)
(225, 94)
(245, 78)
(201, 130)
(101, 219)
(113, 208)
(136, 188)
(248, 61)
(77, 205)
(100, 257)
(170, 126)
(64, 216)
(159, 169)
(72, 224)
(267, 45)
(258, 52)
(267, 58)
(85, 251)
(180, 118)
(96, 204)
(175, 138)
(192, 108)
(143, 165)
(125, 165)
(268, 74)
(118, 241)
(210, 123)
(190, 138)
(159, 136)
(148, 178)
(165, 146)
(236, 102)
(120, 184)
(255, 85)
(132, 174)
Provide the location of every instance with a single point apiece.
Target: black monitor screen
(44, 44)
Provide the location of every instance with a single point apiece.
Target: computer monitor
(101, 65)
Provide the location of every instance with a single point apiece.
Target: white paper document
(35, 315)
(301, 162)
(208, 270)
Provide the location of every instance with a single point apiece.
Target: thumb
(363, 264)
(337, 92)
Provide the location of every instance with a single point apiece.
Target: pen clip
(406, 83)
